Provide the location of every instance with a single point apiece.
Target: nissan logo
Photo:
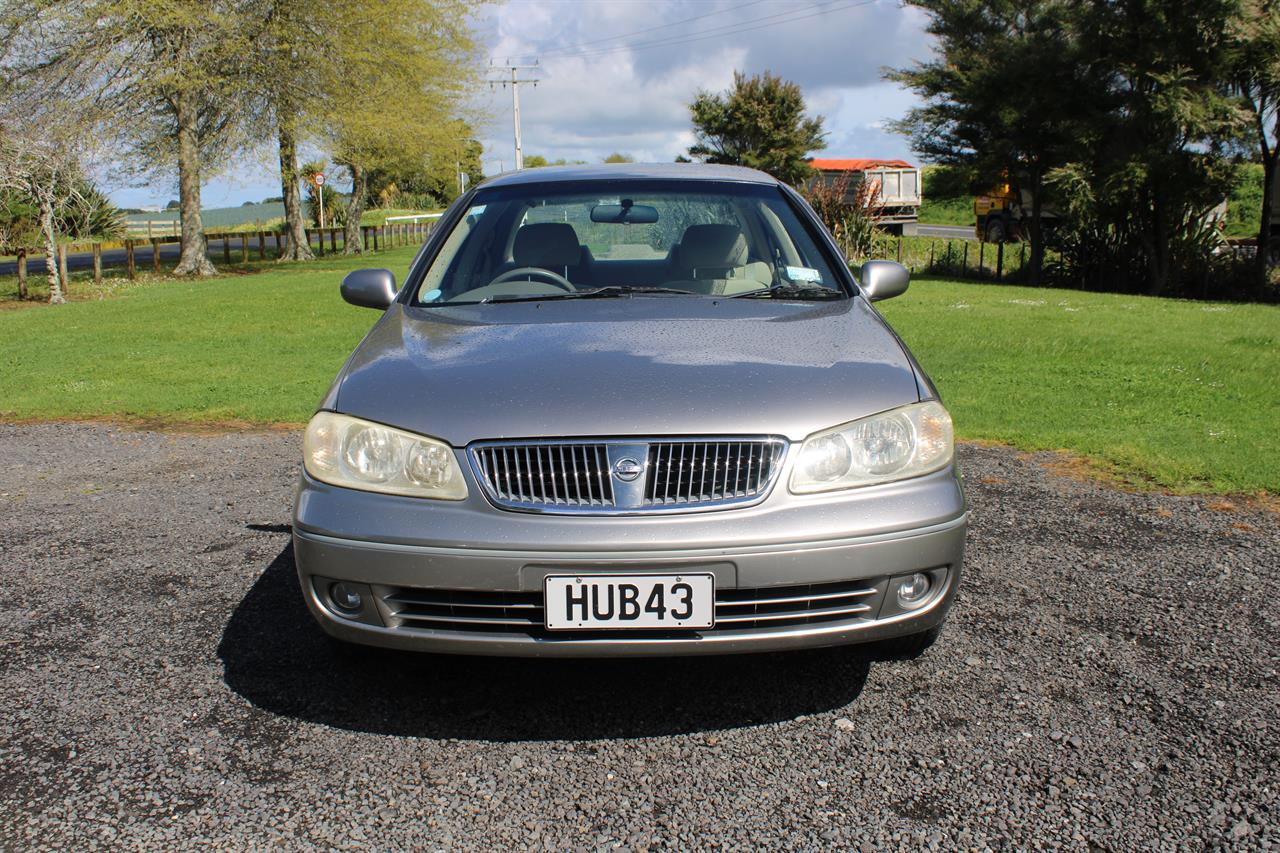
(627, 469)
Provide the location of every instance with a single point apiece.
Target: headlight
(346, 451)
(894, 445)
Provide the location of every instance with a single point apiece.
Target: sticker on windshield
(804, 274)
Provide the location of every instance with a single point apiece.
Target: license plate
(578, 602)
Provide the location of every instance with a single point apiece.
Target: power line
(728, 30)
(581, 44)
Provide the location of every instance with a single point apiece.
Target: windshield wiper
(791, 290)
(610, 292)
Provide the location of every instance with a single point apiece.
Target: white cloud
(631, 93)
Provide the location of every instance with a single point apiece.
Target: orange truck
(897, 183)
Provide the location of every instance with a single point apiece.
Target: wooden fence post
(244, 248)
(97, 263)
(999, 260)
(62, 270)
(226, 249)
(155, 255)
(964, 264)
(22, 273)
(364, 238)
(129, 268)
(376, 229)
(278, 252)
(982, 252)
(262, 245)
(333, 240)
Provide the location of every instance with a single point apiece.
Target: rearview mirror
(370, 288)
(884, 279)
(627, 212)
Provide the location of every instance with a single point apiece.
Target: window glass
(693, 237)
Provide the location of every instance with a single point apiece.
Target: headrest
(547, 245)
(713, 247)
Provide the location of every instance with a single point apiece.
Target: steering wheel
(551, 277)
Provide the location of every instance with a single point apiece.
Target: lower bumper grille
(736, 609)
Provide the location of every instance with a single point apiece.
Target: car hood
(619, 367)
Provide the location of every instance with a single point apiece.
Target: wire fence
(953, 258)
(133, 256)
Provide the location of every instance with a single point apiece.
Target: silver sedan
(630, 410)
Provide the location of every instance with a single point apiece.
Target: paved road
(1107, 682)
(951, 232)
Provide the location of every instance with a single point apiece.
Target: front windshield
(548, 241)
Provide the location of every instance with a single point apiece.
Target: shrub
(852, 212)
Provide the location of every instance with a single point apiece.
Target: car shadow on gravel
(277, 658)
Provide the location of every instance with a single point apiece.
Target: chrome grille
(475, 611)
(690, 472)
(619, 476)
(567, 475)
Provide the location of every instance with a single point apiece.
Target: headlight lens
(894, 445)
(346, 451)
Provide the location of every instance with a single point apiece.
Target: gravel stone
(1106, 682)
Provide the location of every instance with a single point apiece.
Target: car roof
(631, 172)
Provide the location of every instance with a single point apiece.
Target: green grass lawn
(1180, 394)
(1176, 394)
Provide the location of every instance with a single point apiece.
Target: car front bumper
(490, 562)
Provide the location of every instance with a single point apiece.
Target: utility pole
(515, 82)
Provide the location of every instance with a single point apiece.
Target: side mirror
(370, 288)
(884, 279)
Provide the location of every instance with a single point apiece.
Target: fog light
(912, 590)
(345, 598)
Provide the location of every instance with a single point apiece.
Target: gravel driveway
(1108, 681)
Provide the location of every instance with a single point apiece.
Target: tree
(760, 122)
(397, 107)
(1005, 98)
(1155, 164)
(292, 49)
(537, 161)
(1255, 77)
(619, 157)
(163, 79)
(39, 166)
(187, 87)
(1114, 105)
(435, 181)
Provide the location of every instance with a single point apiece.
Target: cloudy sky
(617, 75)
